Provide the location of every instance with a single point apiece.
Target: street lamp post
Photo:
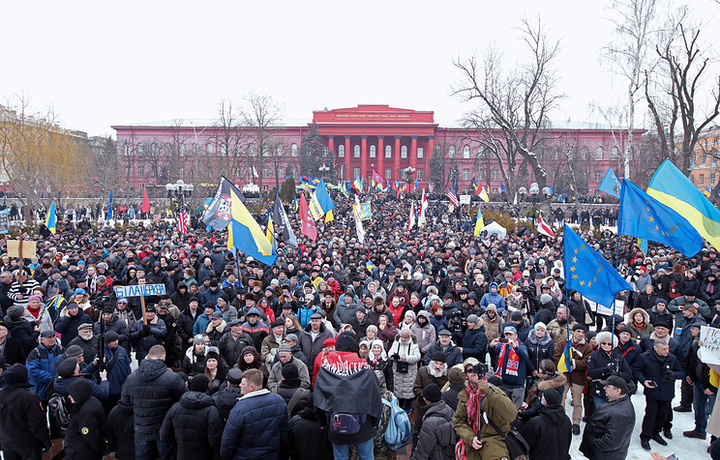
(178, 189)
(534, 191)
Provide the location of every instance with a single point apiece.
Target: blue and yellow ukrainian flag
(245, 235)
(643, 216)
(270, 234)
(670, 187)
(479, 222)
(565, 362)
(588, 272)
(51, 219)
(320, 204)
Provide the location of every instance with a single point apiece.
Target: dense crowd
(322, 354)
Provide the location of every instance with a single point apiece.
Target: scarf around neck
(513, 362)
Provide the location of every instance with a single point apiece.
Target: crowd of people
(320, 354)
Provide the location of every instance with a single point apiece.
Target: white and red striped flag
(544, 228)
(453, 198)
(183, 217)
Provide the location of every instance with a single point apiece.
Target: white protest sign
(139, 290)
(709, 353)
(465, 199)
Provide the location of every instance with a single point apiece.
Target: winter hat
(405, 332)
(661, 301)
(439, 357)
(432, 393)
(66, 369)
(579, 327)
(15, 312)
(552, 396)
(284, 348)
(291, 375)
(17, 373)
(111, 336)
(294, 338)
(47, 333)
(472, 319)
(456, 376)
(80, 390)
(347, 341)
(73, 351)
(212, 353)
(625, 329)
(234, 376)
(34, 297)
(327, 343)
(545, 298)
(541, 325)
(200, 383)
(84, 326)
(690, 293)
(277, 323)
(516, 316)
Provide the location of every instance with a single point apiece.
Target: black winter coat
(14, 353)
(601, 366)
(549, 434)
(85, 436)
(22, 420)
(538, 350)
(185, 322)
(311, 442)
(67, 326)
(475, 343)
(287, 394)
(608, 432)
(120, 432)
(194, 425)
(648, 367)
(225, 400)
(151, 390)
(24, 332)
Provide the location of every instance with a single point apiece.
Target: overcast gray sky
(105, 63)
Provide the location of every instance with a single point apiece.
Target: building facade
(398, 144)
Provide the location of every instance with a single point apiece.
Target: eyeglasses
(605, 343)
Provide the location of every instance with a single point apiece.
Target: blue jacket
(494, 298)
(117, 363)
(647, 367)
(210, 296)
(201, 323)
(304, 313)
(101, 391)
(513, 381)
(41, 368)
(452, 354)
(254, 427)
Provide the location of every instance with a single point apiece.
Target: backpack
(345, 422)
(59, 410)
(454, 438)
(398, 431)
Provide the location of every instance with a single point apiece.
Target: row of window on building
(701, 179)
(466, 151)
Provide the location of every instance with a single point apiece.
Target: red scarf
(513, 362)
(473, 406)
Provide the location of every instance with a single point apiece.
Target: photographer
(512, 356)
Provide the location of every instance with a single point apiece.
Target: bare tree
(229, 136)
(150, 153)
(630, 51)
(514, 101)
(260, 115)
(174, 152)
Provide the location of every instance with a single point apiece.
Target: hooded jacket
(22, 420)
(436, 433)
(151, 390)
(492, 326)
(311, 348)
(538, 349)
(493, 298)
(193, 423)
(549, 434)
(85, 436)
(639, 331)
(475, 343)
(426, 335)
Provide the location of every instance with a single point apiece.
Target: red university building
(357, 141)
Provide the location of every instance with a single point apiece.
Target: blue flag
(643, 216)
(610, 184)
(588, 272)
(51, 220)
(110, 208)
(502, 187)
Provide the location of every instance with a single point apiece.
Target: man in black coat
(85, 436)
(609, 429)
(226, 398)
(11, 347)
(120, 432)
(24, 433)
(310, 440)
(151, 390)
(193, 423)
(549, 433)
(657, 369)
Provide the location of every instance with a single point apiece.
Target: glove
(607, 372)
(145, 331)
(668, 376)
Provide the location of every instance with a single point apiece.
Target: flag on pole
(183, 217)
(110, 208)
(565, 362)
(270, 233)
(307, 227)
(320, 203)
(643, 243)
(145, 208)
(247, 236)
(544, 228)
(452, 197)
(51, 219)
(643, 216)
(610, 184)
(357, 214)
(411, 224)
(423, 209)
(217, 215)
(479, 222)
(281, 220)
(482, 193)
(431, 186)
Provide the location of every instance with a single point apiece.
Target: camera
(480, 369)
(503, 340)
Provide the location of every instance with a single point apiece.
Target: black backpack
(454, 438)
(59, 411)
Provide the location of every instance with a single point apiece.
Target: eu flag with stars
(643, 216)
(587, 272)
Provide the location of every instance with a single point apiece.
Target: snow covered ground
(684, 448)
